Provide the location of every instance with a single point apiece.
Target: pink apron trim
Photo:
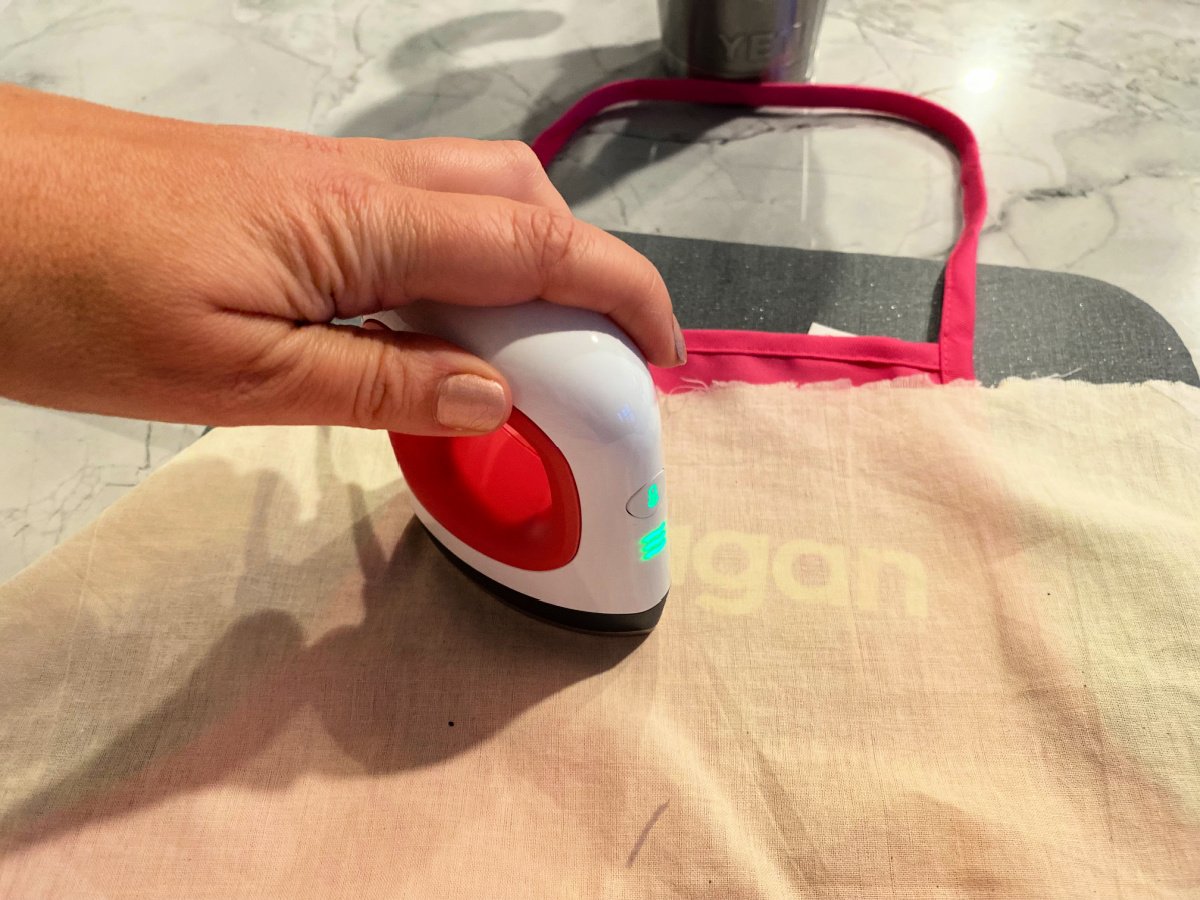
(760, 357)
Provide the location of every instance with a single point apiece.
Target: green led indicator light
(652, 497)
(654, 542)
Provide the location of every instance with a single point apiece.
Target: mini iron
(561, 512)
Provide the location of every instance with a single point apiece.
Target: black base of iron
(574, 619)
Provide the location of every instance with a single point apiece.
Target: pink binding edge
(956, 333)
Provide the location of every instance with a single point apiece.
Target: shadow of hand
(349, 661)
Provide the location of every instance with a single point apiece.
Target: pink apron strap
(957, 330)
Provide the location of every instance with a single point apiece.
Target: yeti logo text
(733, 572)
(754, 49)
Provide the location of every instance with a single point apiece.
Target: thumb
(373, 377)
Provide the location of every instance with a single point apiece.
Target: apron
(765, 358)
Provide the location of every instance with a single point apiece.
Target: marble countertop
(1088, 114)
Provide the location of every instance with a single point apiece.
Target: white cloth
(921, 642)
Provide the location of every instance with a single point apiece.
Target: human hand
(167, 270)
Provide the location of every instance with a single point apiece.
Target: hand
(167, 270)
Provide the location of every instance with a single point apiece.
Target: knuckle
(383, 392)
(317, 143)
(276, 138)
(310, 244)
(650, 281)
(519, 158)
(453, 148)
(349, 192)
(398, 161)
(551, 236)
(412, 227)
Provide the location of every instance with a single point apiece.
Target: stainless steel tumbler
(742, 40)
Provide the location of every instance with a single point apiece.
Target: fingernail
(471, 403)
(680, 346)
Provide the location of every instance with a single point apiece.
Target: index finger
(492, 251)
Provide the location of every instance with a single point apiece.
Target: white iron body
(581, 380)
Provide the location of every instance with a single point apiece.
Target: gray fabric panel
(1029, 323)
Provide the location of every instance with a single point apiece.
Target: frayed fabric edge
(926, 382)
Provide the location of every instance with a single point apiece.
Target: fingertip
(680, 343)
(641, 301)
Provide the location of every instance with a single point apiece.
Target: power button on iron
(646, 501)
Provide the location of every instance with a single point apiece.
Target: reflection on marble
(1088, 114)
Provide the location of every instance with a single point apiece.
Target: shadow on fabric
(400, 659)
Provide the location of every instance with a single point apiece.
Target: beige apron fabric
(922, 642)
